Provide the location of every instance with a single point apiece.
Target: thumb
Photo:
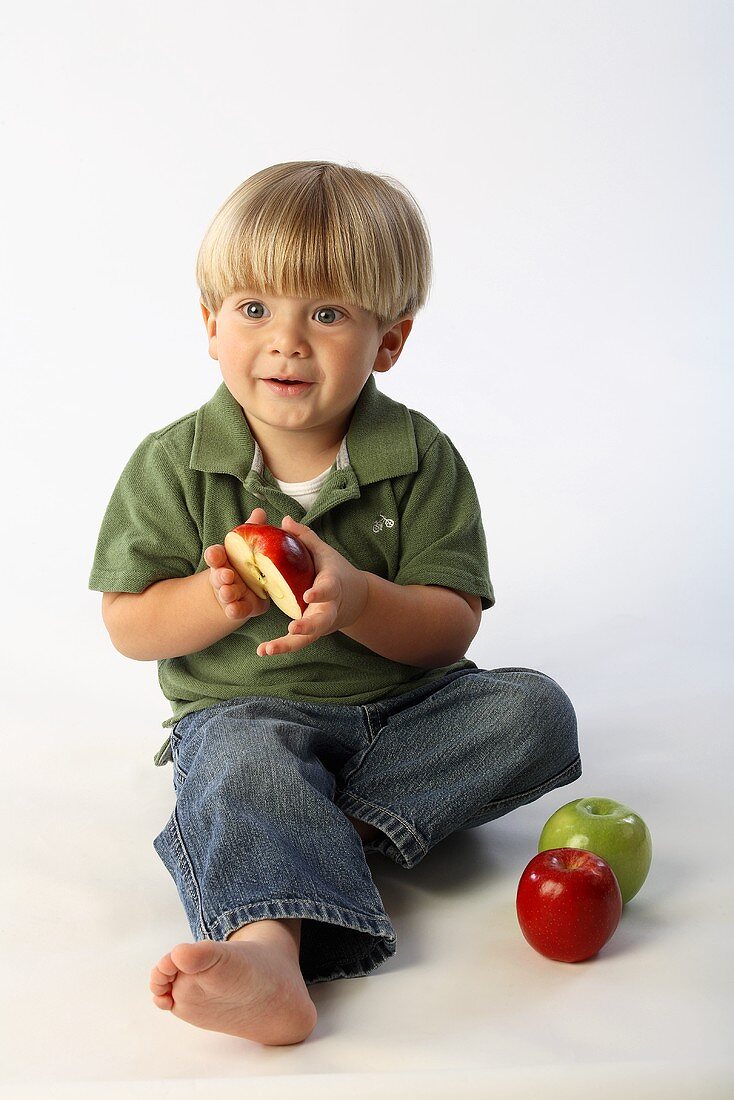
(305, 534)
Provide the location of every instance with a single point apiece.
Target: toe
(192, 958)
(162, 977)
(159, 983)
(166, 967)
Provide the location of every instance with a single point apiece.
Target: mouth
(289, 387)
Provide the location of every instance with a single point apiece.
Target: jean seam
(370, 923)
(379, 954)
(382, 813)
(536, 790)
(188, 868)
(383, 810)
(179, 770)
(373, 732)
(290, 899)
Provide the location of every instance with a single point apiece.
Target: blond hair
(309, 228)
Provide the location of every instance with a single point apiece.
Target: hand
(235, 598)
(336, 599)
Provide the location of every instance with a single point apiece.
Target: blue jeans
(259, 830)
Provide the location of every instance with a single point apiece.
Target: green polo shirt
(399, 501)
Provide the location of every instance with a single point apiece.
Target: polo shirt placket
(380, 444)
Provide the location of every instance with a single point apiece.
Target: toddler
(299, 747)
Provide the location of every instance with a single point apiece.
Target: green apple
(608, 829)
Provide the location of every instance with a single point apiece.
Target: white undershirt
(305, 492)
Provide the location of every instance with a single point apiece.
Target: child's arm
(171, 618)
(423, 625)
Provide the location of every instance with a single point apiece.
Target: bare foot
(250, 986)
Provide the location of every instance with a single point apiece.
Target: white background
(574, 163)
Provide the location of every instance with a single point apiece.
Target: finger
(288, 644)
(270, 649)
(238, 609)
(235, 593)
(294, 524)
(308, 537)
(258, 515)
(215, 555)
(257, 605)
(302, 627)
(317, 621)
(321, 592)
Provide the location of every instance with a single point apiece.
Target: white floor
(465, 1009)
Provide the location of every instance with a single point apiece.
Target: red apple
(568, 903)
(271, 562)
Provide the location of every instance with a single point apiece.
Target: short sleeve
(148, 533)
(442, 536)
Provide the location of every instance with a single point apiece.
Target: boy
(298, 747)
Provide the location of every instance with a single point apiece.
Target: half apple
(271, 562)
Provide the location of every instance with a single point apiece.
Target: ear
(393, 342)
(210, 321)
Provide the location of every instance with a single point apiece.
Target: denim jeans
(259, 830)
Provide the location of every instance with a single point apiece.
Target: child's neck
(298, 456)
(294, 457)
(294, 467)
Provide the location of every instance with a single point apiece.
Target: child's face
(331, 345)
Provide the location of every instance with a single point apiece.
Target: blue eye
(247, 307)
(328, 309)
(250, 307)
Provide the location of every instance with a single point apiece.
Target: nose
(289, 339)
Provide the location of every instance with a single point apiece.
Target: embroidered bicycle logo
(383, 522)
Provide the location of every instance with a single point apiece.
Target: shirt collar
(380, 440)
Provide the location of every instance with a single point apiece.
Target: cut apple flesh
(261, 575)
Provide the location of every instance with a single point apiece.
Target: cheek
(234, 350)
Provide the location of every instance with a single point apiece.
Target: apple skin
(272, 563)
(568, 904)
(610, 830)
